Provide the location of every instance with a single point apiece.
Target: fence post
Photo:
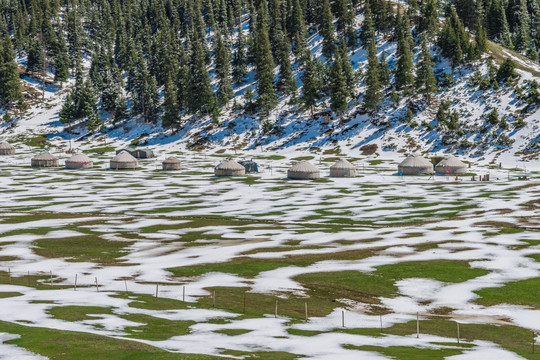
(183, 293)
(342, 318)
(457, 332)
(125, 284)
(244, 306)
(275, 314)
(157, 289)
(50, 278)
(75, 287)
(417, 326)
(380, 320)
(214, 298)
(305, 308)
(97, 287)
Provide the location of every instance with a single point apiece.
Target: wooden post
(214, 298)
(275, 313)
(28, 278)
(9, 275)
(157, 289)
(125, 284)
(342, 318)
(533, 340)
(50, 278)
(183, 293)
(417, 326)
(305, 308)
(75, 287)
(457, 332)
(97, 287)
(244, 307)
(380, 319)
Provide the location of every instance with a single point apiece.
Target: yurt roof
(230, 164)
(172, 160)
(452, 162)
(5, 145)
(303, 166)
(342, 164)
(79, 159)
(124, 156)
(415, 161)
(45, 156)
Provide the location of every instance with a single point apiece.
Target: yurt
(450, 165)
(6, 149)
(303, 170)
(342, 168)
(143, 154)
(171, 163)
(44, 159)
(79, 161)
(250, 166)
(415, 165)
(124, 161)
(229, 167)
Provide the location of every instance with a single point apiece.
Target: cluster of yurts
(127, 160)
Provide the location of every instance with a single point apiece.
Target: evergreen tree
(338, 85)
(10, 87)
(200, 96)
(428, 21)
(522, 26)
(239, 71)
(310, 89)
(35, 56)
(61, 60)
(223, 71)
(299, 32)
(348, 70)
(327, 30)
(425, 77)
(384, 71)
(481, 38)
(368, 31)
(286, 81)
(403, 73)
(267, 97)
(373, 95)
(171, 109)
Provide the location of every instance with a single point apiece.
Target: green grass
(4, 295)
(512, 338)
(103, 149)
(78, 313)
(264, 355)
(522, 292)
(87, 248)
(368, 287)
(408, 353)
(301, 158)
(233, 332)
(150, 302)
(156, 329)
(68, 345)
(247, 266)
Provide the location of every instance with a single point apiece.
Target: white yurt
(44, 159)
(450, 165)
(415, 165)
(124, 161)
(229, 167)
(6, 148)
(303, 170)
(171, 163)
(79, 161)
(342, 168)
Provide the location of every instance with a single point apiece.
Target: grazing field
(144, 264)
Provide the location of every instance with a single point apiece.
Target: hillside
(456, 114)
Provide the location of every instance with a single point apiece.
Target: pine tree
(338, 85)
(384, 71)
(171, 110)
(327, 30)
(267, 97)
(428, 21)
(61, 60)
(223, 71)
(200, 95)
(35, 56)
(348, 70)
(481, 38)
(286, 81)
(299, 32)
(403, 73)
(10, 87)
(239, 71)
(373, 94)
(425, 77)
(522, 26)
(310, 89)
(368, 31)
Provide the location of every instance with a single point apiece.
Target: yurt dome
(229, 167)
(303, 170)
(44, 159)
(415, 165)
(79, 161)
(171, 163)
(342, 168)
(450, 165)
(124, 161)
(6, 148)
